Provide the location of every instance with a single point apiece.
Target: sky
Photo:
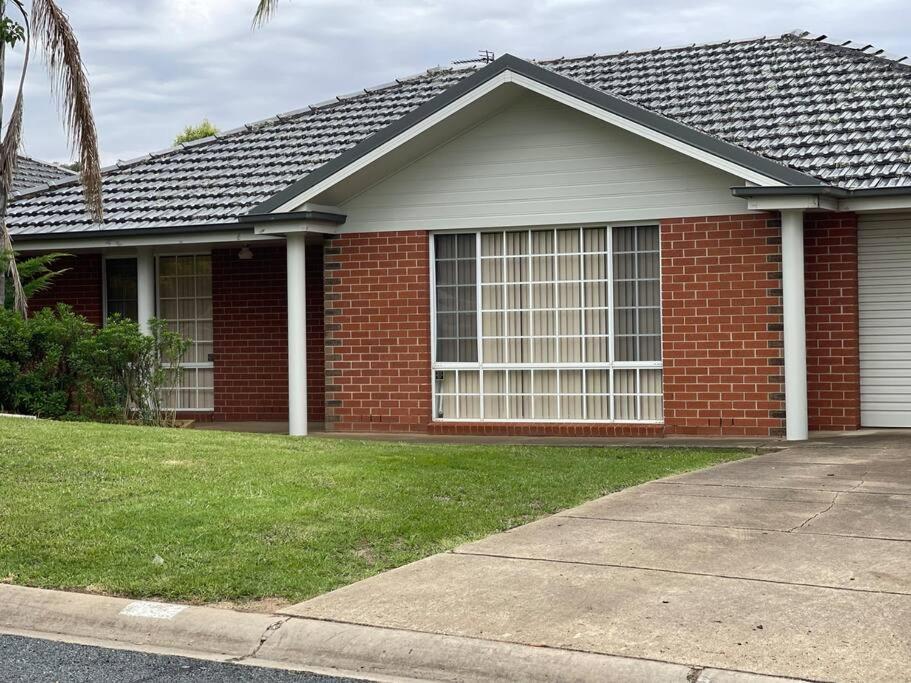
(157, 65)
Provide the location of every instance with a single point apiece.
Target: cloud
(157, 65)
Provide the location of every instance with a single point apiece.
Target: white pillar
(795, 324)
(145, 288)
(297, 335)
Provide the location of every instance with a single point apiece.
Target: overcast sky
(157, 65)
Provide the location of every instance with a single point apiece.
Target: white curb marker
(152, 610)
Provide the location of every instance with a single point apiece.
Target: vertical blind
(548, 324)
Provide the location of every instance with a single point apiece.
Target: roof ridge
(646, 51)
(243, 128)
(52, 164)
(850, 47)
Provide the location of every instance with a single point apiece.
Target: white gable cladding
(538, 162)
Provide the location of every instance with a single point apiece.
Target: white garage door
(885, 320)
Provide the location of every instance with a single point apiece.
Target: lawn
(203, 516)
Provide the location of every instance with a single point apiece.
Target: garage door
(885, 320)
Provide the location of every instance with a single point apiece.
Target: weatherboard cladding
(839, 114)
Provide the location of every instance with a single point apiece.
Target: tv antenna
(484, 57)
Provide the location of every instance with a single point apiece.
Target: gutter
(295, 216)
(818, 191)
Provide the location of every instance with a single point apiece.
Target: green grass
(203, 516)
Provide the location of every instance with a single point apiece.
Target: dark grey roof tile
(836, 111)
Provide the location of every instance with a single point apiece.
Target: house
(32, 172)
(712, 239)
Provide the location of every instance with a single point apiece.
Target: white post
(297, 335)
(145, 288)
(795, 324)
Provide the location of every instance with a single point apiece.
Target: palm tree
(47, 24)
(264, 11)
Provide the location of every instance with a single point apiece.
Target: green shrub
(58, 365)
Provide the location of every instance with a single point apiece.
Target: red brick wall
(722, 325)
(80, 287)
(833, 350)
(249, 306)
(378, 332)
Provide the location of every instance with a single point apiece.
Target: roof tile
(834, 111)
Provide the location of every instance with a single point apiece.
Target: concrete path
(796, 563)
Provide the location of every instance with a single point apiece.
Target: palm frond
(37, 272)
(20, 300)
(264, 12)
(12, 139)
(69, 81)
(9, 148)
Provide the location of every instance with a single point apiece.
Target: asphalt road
(37, 661)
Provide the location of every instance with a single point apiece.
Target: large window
(548, 324)
(185, 302)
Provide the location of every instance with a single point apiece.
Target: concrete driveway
(795, 563)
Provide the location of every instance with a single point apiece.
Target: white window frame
(184, 366)
(610, 365)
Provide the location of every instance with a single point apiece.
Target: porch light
(245, 254)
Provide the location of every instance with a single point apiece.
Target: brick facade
(722, 325)
(833, 325)
(80, 286)
(378, 332)
(369, 351)
(250, 321)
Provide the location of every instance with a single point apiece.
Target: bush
(58, 365)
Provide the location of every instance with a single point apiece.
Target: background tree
(203, 130)
(48, 25)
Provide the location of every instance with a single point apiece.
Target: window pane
(594, 239)
(624, 239)
(571, 407)
(447, 350)
(542, 296)
(567, 241)
(445, 246)
(568, 268)
(598, 381)
(468, 351)
(545, 382)
(517, 243)
(491, 244)
(447, 298)
(495, 382)
(544, 349)
(546, 407)
(494, 350)
(491, 270)
(542, 268)
(542, 242)
(596, 350)
(598, 407)
(491, 297)
(595, 266)
(647, 237)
